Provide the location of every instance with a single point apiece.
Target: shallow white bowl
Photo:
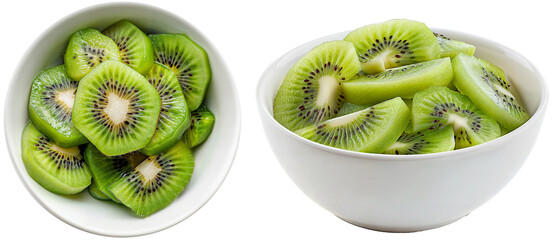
(213, 158)
(406, 193)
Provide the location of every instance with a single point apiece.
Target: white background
(257, 200)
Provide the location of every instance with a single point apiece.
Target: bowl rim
(266, 113)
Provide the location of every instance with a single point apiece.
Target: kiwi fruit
(371, 130)
(57, 169)
(188, 61)
(88, 48)
(201, 126)
(425, 141)
(156, 182)
(402, 81)
(450, 47)
(438, 107)
(393, 43)
(311, 91)
(95, 192)
(487, 86)
(116, 108)
(174, 116)
(134, 46)
(50, 105)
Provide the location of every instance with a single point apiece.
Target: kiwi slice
(370, 130)
(88, 48)
(134, 46)
(188, 61)
(421, 142)
(402, 81)
(57, 169)
(439, 107)
(393, 43)
(311, 91)
(487, 86)
(200, 128)
(174, 115)
(157, 181)
(95, 192)
(451, 48)
(116, 108)
(50, 105)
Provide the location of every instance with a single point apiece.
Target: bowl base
(398, 229)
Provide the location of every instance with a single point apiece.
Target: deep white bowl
(406, 193)
(213, 158)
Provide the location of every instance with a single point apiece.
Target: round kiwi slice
(201, 126)
(188, 61)
(116, 108)
(88, 48)
(156, 182)
(174, 115)
(134, 46)
(487, 86)
(311, 91)
(439, 107)
(370, 130)
(57, 169)
(393, 43)
(451, 48)
(95, 192)
(50, 105)
(402, 82)
(425, 141)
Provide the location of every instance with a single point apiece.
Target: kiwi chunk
(188, 61)
(439, 107)
(134, 46)
(157, 181)
(421, 142)
(393, 43)
(95, 192)
(311, 91)
(50, 105)
(88, 48)
(116, 108)
(174, 114)
(402, 81)
(57, 169)
(371, 130)
(487, 86)
(201, 126)
(451, 48)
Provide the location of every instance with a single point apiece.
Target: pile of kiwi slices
(397, 88)
(121, 116)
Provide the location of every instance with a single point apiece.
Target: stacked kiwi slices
(121, 116)
(397, 88)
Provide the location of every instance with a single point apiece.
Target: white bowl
(213, 158)
(406, 193)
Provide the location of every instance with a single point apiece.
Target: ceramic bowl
(406, 193)
(213, 158)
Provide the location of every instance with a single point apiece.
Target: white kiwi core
(117, 108)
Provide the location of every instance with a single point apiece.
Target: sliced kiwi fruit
(188, 61)
(116, 108)
(156, 182)
(451, 48)
(134, 46)
(88, 48)
(174, 114)
(95, 192)
(402, 81)
(201, 126)
(439, 107)
(50, 105)
(393, 43)
(57, 169)
(311, 91)
(425, 141)
(371, 130)
(487, 86)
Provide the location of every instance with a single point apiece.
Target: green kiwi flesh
(88, 48)
(371, 130)
(116, 108)
(487, 86)
(393, 43)
(50, 105)
(311, 91)
(451, 48)
(202, 123)
(57, 169)
(402, 81)
(134, 46)
(156, 182)
(348, 108)
(425, 141)
(95, 192)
